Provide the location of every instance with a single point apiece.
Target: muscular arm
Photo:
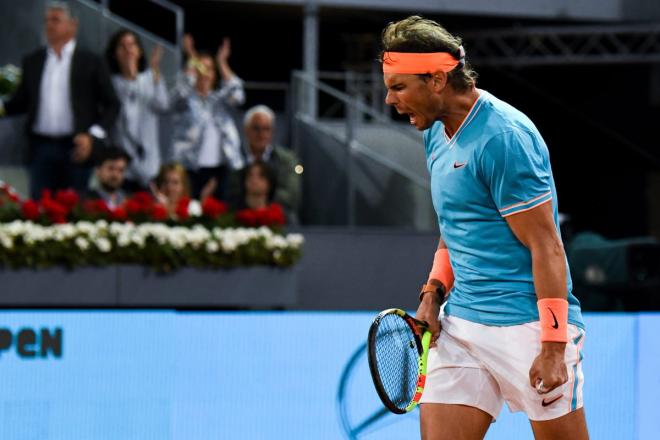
(536, 230)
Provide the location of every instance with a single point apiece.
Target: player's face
(413, 96)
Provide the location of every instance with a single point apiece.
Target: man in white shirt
(70, 105)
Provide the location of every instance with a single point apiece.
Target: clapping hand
(154, 61)
(224, 51)
(189, 46)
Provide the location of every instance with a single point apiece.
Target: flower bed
(62, 230)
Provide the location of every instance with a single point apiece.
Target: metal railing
(355, 112)
(109, 22)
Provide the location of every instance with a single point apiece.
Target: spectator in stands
(112, 163)
(172, 187)
(70, 104)
(206, 140)
(258, 183)
(259, 123)
(143, 96)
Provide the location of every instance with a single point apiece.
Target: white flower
(194, 208)
(7, 242)
(82, 243)
(212, 247)
(276, 242)
(103, 244)
(123, 240)
(138, 239)
(295, 240)
(229, 244)
(82, 227)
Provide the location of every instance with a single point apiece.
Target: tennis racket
(398, 350)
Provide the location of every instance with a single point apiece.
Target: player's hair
(420, 35)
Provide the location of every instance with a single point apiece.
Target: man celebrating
(70, 103)
(511, 329)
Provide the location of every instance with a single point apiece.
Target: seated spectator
(70, 104)
(259, 122)
(172, 190)
(110, 171)
(257, 187)
(205, 139)
(143, 96)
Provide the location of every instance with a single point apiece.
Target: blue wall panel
(286, 375)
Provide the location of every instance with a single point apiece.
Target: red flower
(143, 198)
(13, 196)
(133, 206)
(30, 210)
(9, 193)
(272, 215)
(181, 210)
(119, 214)
(68, 198)
(275, 215)
(213, 208)
(247, 217)
(159, 213)
(45, 194)
(95, 207)
(56, 212)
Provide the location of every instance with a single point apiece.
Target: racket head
(398, 349)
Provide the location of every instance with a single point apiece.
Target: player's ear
(439, 81)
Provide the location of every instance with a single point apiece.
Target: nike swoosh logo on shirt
(459, 165)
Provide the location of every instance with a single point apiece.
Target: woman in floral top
(206, 140)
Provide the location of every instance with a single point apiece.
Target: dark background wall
(598, 120)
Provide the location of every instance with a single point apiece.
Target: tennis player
(511, 329)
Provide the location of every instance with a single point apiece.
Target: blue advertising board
(257, 375)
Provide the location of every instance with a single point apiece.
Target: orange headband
(420, 63)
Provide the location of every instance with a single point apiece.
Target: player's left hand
(549, 368)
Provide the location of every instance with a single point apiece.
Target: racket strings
(397, 357)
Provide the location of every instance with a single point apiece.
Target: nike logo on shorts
(544, 403)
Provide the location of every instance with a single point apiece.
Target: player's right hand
(428, 311)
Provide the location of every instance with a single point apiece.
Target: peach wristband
(553, 314)
(442, 270)
(418, 63)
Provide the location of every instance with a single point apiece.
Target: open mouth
(413, 118)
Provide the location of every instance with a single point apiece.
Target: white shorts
(482, 366)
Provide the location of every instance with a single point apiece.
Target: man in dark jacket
(259, 123)
(70, 104)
